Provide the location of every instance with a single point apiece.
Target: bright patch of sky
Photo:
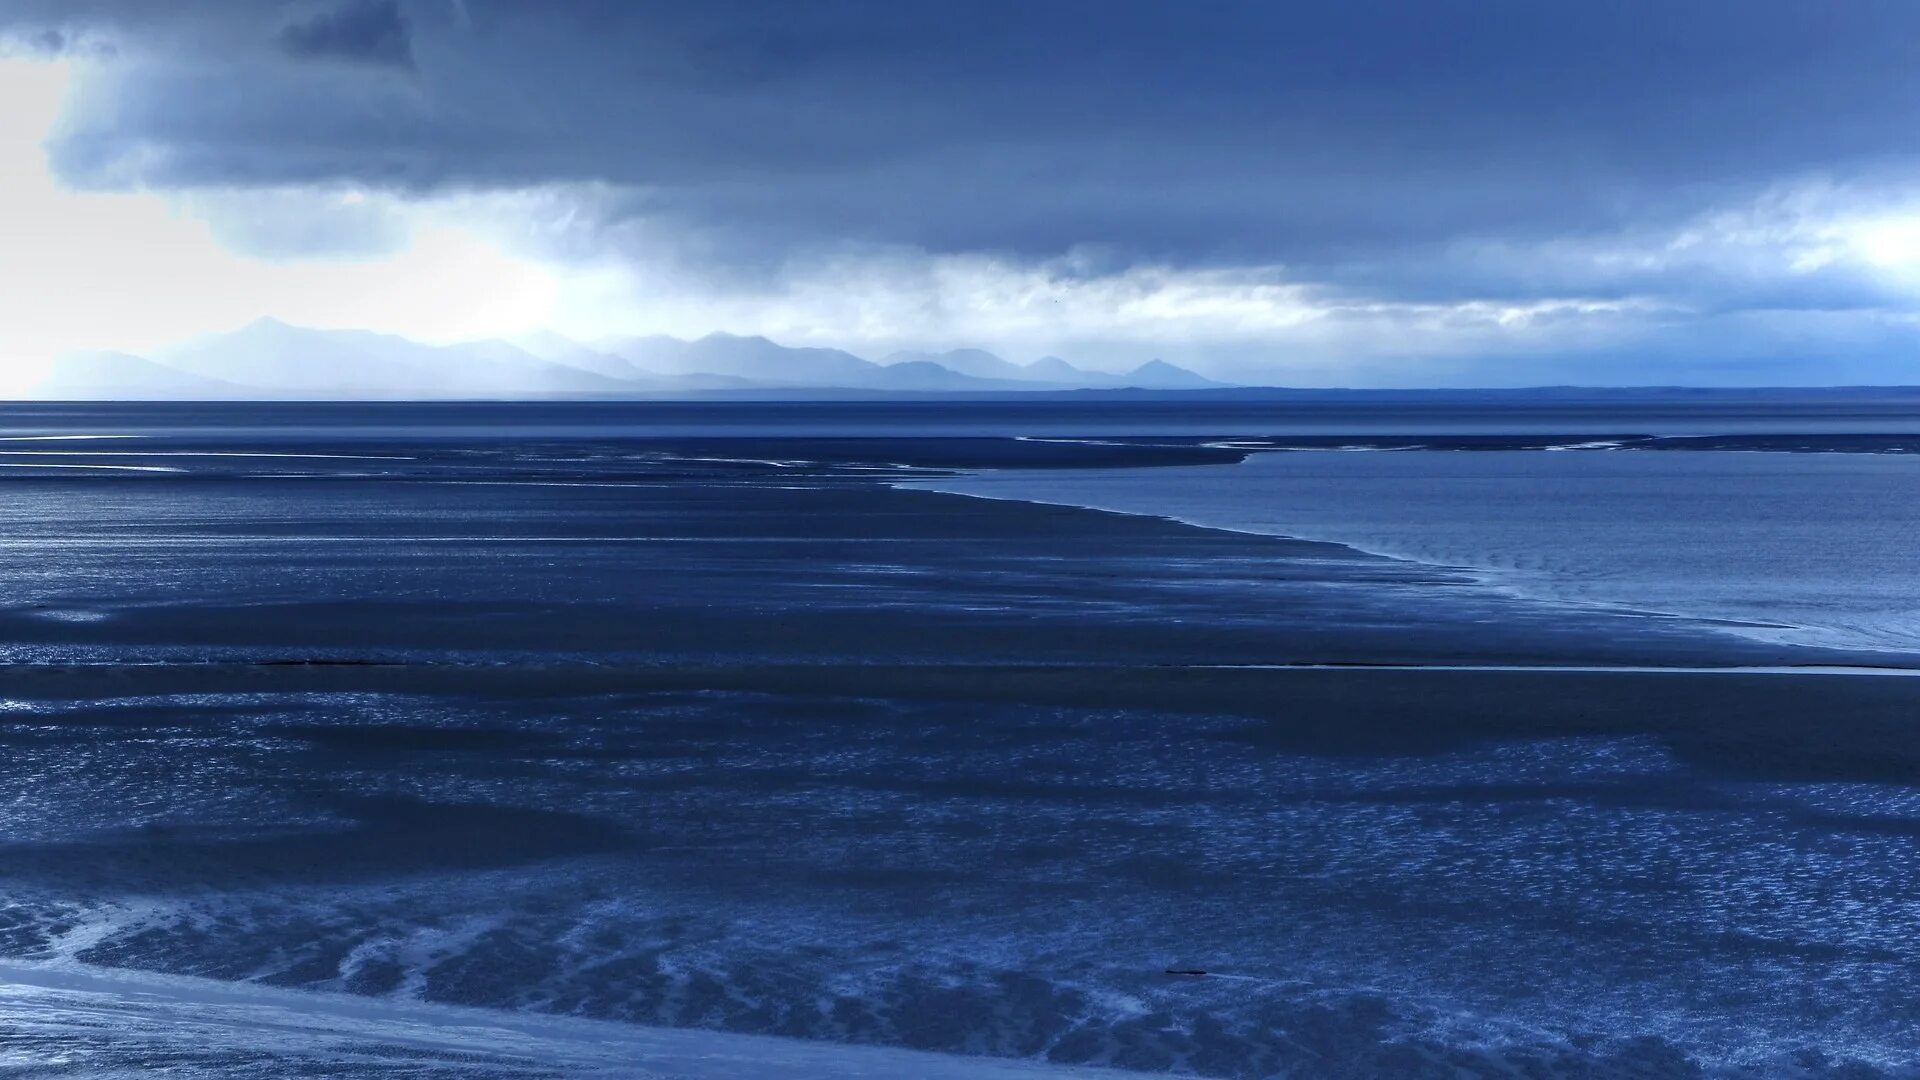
(131, 271)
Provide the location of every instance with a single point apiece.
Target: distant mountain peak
(1054, 369)
(1158, 374)
(115, 375)
(970, 354)
(271, 358)
(977, 363)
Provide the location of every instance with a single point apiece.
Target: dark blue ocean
(730, 740)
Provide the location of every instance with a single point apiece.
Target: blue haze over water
(495, 740)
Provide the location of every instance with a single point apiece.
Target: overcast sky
(1353, 192)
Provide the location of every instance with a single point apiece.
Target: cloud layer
(1365, 191)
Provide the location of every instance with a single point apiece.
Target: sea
(1815, 548)
(946, 739)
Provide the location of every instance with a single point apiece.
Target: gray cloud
(1243, 132)
(361, 31)
(275, 224)
(1460, 151)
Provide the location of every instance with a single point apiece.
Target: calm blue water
(1809, 548)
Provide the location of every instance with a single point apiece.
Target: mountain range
(269, 359)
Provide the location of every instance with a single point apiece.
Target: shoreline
(892, 574)
(1778, 635)
(1477, 576)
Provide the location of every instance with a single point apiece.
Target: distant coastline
(269, 360)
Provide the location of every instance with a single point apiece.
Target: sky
(1360, 193)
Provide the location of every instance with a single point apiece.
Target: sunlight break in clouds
(131, 271)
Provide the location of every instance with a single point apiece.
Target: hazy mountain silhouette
(302, 362)
(112, 375)
(1054, 369)
(977, 363)
(754, 358)
(268, 358)
(554, 348)
(1160, 375)
(925, 375)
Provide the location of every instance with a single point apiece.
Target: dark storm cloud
(1406, 152)
(1202, 130)
(363, 31)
